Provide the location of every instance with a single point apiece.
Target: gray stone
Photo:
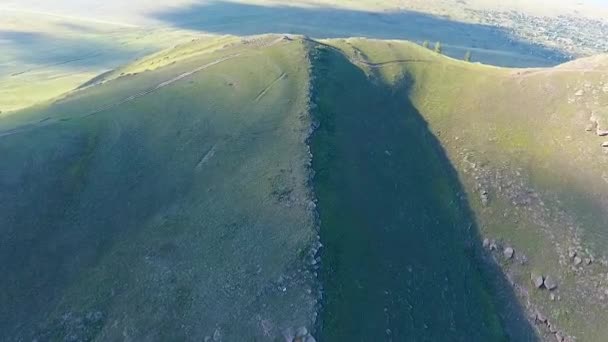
(508, 252)
(537, 280)
(605, 144)
(541, 318)
(588, 261)
(550, 283)
(577, 260)
(571, 254)
(486, 243)
(217, 335)
(559, 337)
(601, 132)
(485, 197)
(301, 332)
(310, 338)
(552, 328)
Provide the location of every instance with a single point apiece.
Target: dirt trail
(161, 85)
(265, 90)
(535, 72)
(355, 60)
(49, 121)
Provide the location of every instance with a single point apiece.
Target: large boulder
(508, 252)
(550, 283)
(537, 280)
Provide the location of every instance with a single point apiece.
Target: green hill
(183, 197)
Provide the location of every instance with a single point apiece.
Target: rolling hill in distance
(195, 181)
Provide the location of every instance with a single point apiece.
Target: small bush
(438, 47)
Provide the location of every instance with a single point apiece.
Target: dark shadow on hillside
(491, 45)
(402, 259)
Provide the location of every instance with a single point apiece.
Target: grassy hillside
(526, 148)
(176, 198)
(180, 214)
(400, 245)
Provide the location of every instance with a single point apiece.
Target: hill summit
(283, 188)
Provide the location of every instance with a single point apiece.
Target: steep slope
(525, 145)
(401, 252)
(173, 199)
(168, 205)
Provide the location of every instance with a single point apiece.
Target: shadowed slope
(401, 257)
(526, 148)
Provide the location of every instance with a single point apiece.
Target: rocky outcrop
(537, 280)
(550, 283)
(508, 253)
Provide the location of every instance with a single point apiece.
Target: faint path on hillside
(536, 72)
(265, 90)
(355, 60)
(396, 61)
(161, 85)
(49, 121)
(177, 78)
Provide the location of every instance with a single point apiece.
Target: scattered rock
(486, 243)
(579, 92)
(552, 328)
(559, 337)
(605, 144)
(301, 335)
(485, 198)
(301, 332)
(537, 280)
(552, 297)
(577, 260)
(310, 338)
(601, 132)
(493, 246)
(550, 283)
(508, 252)
(540, 318)
(217, 335)
(588, 261)
(571, 254)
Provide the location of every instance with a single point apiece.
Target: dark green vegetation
(173, 199)
(467, 56)
(438, 47)
(400, 248)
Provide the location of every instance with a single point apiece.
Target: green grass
(188, 209)
(148, 231)
(398, 256)
(508, 123)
